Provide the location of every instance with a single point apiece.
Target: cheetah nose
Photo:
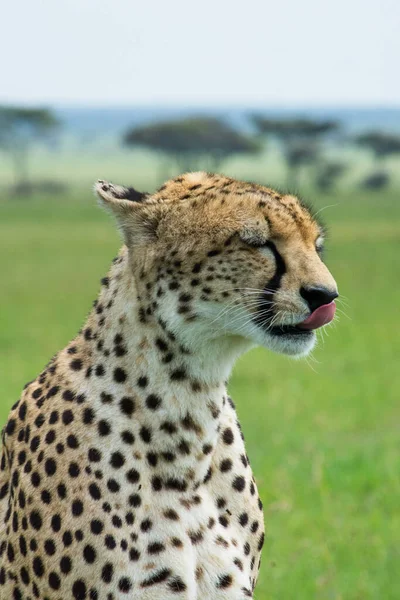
(317, 296)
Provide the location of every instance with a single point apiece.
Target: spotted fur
(124, 472)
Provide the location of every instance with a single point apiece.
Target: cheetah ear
(136, 219)
(109, 193)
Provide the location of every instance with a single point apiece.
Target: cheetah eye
(270, 246)
(319, 246)
(260, 243)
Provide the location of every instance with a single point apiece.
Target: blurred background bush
(302, 96)
(58, 149)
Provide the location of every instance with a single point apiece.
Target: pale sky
(253, 52)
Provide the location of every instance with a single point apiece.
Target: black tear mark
(266, 307)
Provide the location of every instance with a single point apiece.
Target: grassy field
(322, 434)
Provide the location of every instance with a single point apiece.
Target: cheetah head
(226, 262)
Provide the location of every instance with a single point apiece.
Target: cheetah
(124, 472)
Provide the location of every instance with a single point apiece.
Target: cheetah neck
(138, 378)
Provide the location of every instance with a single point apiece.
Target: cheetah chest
(201, 550)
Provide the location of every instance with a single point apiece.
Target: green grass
(322, 434)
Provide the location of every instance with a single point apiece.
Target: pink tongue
(321, 316)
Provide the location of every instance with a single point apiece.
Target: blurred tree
(376, 181)
(298, 154)
(192, 141)
(294, 129)
(328, 174)
(19, 129)
(300, 140)
(382, 144)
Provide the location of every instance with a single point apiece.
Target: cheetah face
(216, 259)
(270, 293)
(282, 295)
